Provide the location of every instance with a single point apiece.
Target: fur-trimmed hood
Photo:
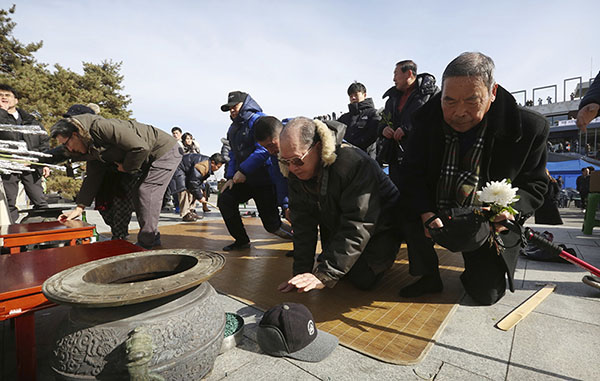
(331, 134)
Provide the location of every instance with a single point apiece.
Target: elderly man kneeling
(339, 190)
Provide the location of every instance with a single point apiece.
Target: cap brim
(318, 350)
(226, 107)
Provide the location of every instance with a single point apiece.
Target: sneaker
(190, 217)
(237, 246)
(197, 216)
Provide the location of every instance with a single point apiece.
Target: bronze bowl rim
(69, 287)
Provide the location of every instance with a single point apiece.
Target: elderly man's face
(302, 161)
(8, 101)
(465, 101)
(235, 111)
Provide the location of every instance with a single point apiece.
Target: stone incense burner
(149, 315)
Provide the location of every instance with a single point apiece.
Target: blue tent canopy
(569, 170)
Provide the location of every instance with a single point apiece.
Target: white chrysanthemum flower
(498, 192)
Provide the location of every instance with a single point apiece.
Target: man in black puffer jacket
(32, 181)
(408, 95)
(362, 121)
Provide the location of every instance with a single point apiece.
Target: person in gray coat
(133, 148)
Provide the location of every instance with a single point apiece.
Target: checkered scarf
(458, 181)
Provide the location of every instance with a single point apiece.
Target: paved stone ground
(559, 340)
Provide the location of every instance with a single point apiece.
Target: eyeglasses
(297, 161)
(66, 143)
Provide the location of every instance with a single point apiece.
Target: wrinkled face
(235, 111)
(176, 134)
(74, 143)
(402, 80)
(357, 97)
(8, 101)
(271, 145)
(214, 166)
(189, 140)
(302, 161)
(465, 101)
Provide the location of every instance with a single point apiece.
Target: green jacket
(135, 145)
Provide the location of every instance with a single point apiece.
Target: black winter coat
(424, 90)
(38, 143)
(514, 148)
(362, 124)
(350, 202)
(593, 93)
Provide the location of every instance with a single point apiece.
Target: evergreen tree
(49, 93)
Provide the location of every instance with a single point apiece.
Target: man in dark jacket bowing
(131, 147)
(470, 134)
(361, 120)
(339, 191)
(187, 181)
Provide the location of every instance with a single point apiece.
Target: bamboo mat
(377, 323)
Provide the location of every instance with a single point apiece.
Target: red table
(21, 289)
(16, 235)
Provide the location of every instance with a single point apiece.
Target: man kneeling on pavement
(472, 133)
(338, 190)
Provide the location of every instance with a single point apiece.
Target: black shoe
(237, 246)
(428, 284)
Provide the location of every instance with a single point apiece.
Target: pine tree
(48, 93)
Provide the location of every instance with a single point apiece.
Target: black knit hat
(288, 329)
(233, 98)
(78, 109)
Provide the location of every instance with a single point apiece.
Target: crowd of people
(322, 178)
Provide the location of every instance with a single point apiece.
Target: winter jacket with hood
(362, 123)
(112, 141)
(246, 155)
(425, 88)
(350, 201)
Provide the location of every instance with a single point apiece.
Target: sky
(297, 58)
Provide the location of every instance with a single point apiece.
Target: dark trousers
(484, 278)
(266, 202)
(377, 257)
(32, 182)
(422, 258)
(148, 202)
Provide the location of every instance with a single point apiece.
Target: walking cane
(543, 243)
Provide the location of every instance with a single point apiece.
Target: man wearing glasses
(339, 190)
(131, 147)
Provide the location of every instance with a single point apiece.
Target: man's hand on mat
(302, 282)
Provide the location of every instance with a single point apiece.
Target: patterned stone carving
(186, 331)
